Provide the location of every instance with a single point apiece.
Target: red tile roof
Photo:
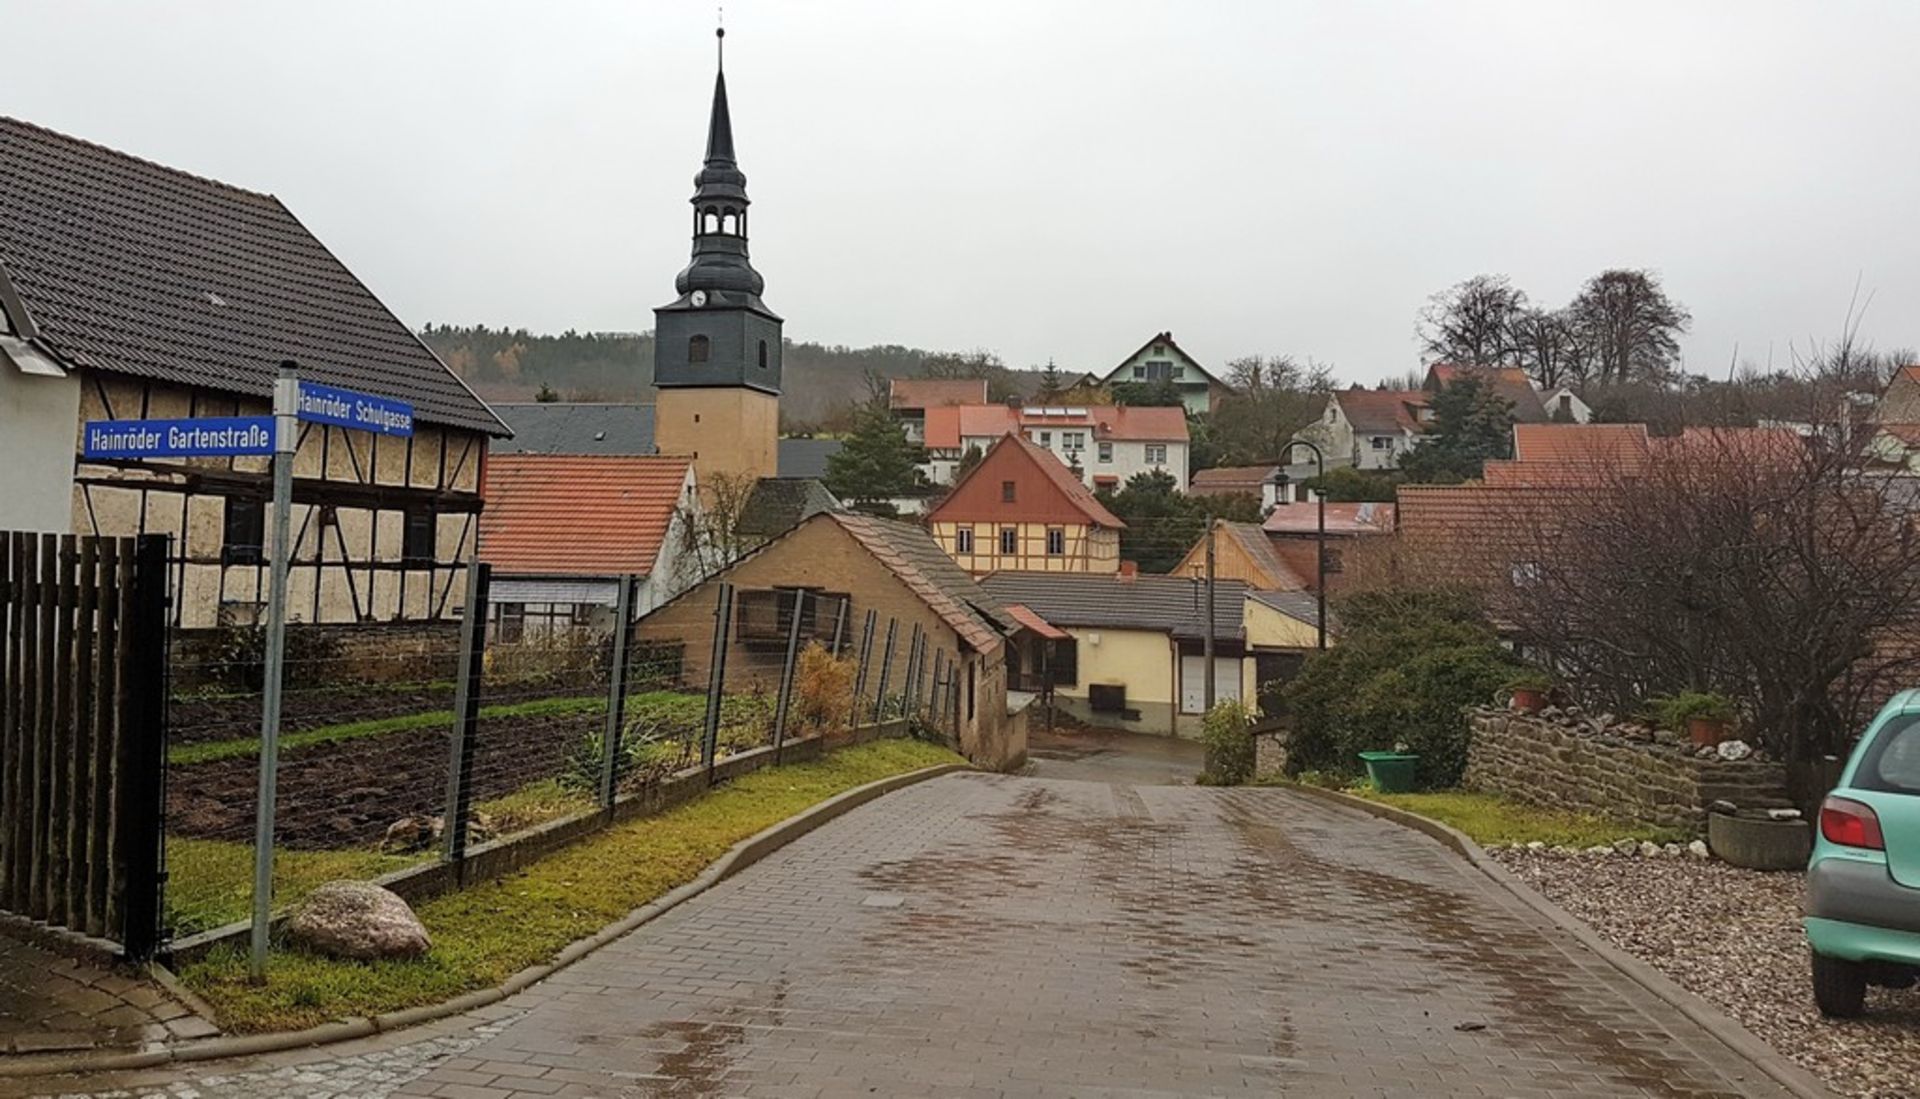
(931, 393)
(1026, 617)
(1381, 411)
(1586, 443)
(1341, 519)
(962, 505)
(578, 515)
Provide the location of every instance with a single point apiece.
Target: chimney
(1015, 402)
(1128, 571)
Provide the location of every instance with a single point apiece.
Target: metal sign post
(278, 435)
(286, 429)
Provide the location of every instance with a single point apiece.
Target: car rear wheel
(1839, 987)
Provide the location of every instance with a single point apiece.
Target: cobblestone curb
(1723, 1028)
(740, 856)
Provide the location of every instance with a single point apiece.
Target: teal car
(1863, 882)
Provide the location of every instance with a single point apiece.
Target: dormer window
(699, 348)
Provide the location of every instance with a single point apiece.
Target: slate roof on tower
(124, 266)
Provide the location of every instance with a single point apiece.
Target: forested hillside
(822, 382)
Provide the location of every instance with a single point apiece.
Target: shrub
(1674, 711)
(1405, 667)
(1227, 732)
(574, 656)
(822, 689)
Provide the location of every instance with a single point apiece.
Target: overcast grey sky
(1046, 179)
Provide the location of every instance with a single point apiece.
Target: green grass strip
(485, 934)
(1489, 819)
(211, 750)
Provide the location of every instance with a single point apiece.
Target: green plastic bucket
(1391, 772)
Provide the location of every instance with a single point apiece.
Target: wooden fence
(83, 734)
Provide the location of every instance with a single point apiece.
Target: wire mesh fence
(405, 743)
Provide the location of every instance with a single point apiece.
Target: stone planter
(1757, 843)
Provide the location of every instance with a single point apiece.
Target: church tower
(716, 348)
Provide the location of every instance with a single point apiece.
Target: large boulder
(360, 920)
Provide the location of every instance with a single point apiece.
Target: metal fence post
(886, 670)
(936, 685)
(911, 685)
(466, 711)
(786, 675)
(139, 824)
(717, 677)
(617, 693)
(840, 624)
(866, 658)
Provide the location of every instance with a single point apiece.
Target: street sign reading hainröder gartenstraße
(200, 437)
(325, 404)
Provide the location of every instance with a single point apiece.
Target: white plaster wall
(39, 422)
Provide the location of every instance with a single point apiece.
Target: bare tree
(1629, 329)
(1277, 396)
(1471, 323)
(1548, 344)
(1753, 563)
(708, 527)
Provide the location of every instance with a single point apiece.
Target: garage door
(1193, 685)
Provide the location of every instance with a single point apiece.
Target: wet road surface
(1101, 755)
(983, 935)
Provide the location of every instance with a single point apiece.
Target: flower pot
(1705, 732)
(1391, 772)
(1528, 700)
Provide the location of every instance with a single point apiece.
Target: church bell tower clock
(716, 348)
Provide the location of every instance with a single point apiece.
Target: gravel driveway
(1733, 937)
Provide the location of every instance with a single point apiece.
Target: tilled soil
(1733, 937)
(347, 794)
(193, 720)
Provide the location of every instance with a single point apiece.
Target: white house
(1107, 444)
(1371, 428)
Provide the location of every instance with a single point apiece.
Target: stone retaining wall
(1588, 765)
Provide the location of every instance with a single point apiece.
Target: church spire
(720, 124)
(720, 265)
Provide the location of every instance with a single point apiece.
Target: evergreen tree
(1052, 384)
(1471, 423)
(876, 462)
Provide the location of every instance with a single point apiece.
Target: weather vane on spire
(720, 32)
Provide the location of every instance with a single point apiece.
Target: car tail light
(1851, 824)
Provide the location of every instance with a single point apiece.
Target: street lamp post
(1320, 538)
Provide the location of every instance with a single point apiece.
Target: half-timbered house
(129, 290)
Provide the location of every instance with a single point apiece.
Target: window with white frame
(1073, 440)
(1009, 541)
(963, 540)
(1383, 442)
(1106, 452)
(1156, 454)
(1056, 541)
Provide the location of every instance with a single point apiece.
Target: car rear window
(1892, 762)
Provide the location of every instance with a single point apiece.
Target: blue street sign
(325, 404)
(201, 437)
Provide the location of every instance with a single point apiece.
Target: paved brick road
(987, 936)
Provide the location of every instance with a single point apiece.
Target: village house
(1019, 508)
(1106, 444)
(1133, 656)
(1370, 429)
(910, 398)
(132, 291)
(563, 531)
(1162, 360)
(1509, 383)
(866, 565)
(1247, 553)
(1293, 530)
(1264, 483)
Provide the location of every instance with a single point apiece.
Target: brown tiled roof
(1231, 479)
(1612, 444)
(1029, 620)
(911, 554)
(927, 393)
(1253, 541)
(578, 515)
(1341, 519)
(129, 267)
(1382, 411)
